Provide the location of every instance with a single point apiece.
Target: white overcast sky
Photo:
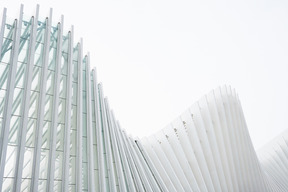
(157, 57)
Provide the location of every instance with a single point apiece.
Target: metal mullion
(111, 173)
(9, 95)
(99, 138)
(26, 103)
(111, 128)
(91, 183)
(41, 105)
(54, 122)
(79, 121)
(66, 154)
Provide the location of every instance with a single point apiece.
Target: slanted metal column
(151, 166)
(79, 120)
(26, 104)
(41, 105)
(66, 154)
(109, 161)
(91, 184)
(118, 165)
(102, 182)
(9, 94)
(128, 173)
(131, 163)
(54, 123)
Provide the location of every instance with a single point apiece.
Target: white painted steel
(207, 148)
(26, 103)
(41, 104)
(66, 155)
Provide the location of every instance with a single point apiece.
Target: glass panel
(62, 86)
(84, 81)
(74, 93)
(58, 165)
(84, 121)
(10, 161)
(7, 184)
(46, 135)
(39, 47)
(75, 72)
(52, 59)
(61, 111)
(8, 31)
(72, 170)
(13, 131)
(57, 186)
(17, 100)
(25, 185)
(36, 78)
(85, 176)
(2, 101)
(48, 108)
(42, 185)
(50, 82)
(33, 104)
(41, 31)
(30, 135)
(20, 76)
(84, 149)
(60, 137)
(28, 161)
(25, 31)
(4, 68)
(43, 164)
(73, 139)
(84, 102)
(23, 50)
(72, 188)
(64, 63)
(74, 117)
(7, 54)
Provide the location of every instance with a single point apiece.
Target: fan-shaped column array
(57, 130)
(274, 160)
(207, 148)
(58, 133)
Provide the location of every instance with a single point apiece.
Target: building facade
(58, 132)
